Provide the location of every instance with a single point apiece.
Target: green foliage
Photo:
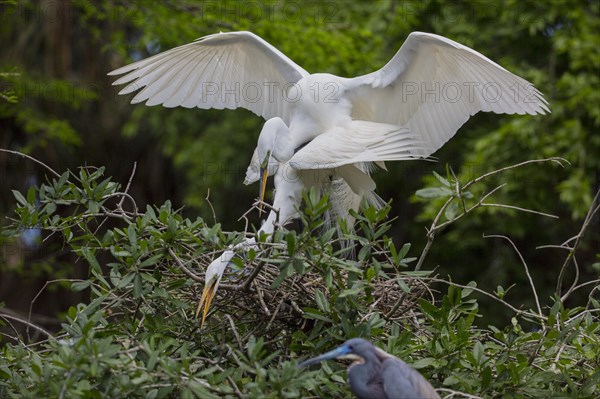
(137, 336)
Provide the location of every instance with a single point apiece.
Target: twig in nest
(190, 274)
(261, 299)
(235, 332)
(277, 309)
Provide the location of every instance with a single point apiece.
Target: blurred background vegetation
(58, 105)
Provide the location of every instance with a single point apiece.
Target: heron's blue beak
(334, 354)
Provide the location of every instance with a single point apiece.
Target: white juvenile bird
(431, 87)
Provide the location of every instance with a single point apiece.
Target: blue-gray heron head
(376, 374)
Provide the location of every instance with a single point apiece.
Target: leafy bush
(298, 295)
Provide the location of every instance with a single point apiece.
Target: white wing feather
(361, 142)
(224, 70)
(433, 85)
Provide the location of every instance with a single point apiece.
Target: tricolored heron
(376, 374)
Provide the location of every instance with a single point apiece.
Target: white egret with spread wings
(429, 88)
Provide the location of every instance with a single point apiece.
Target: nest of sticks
(248, 295)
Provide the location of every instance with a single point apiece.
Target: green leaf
(486, 377)
(283, 274)
(310, 313)
(322, 302)
(132, 235)
(428, 308)
(80, 285)
(90, 258)
(433, 192)
(63, 179)
(351, 291)
(404, 250)
(451, 210)
(153, 260)
(72, 312)
(298, 265)
(31, 194)
(20, 199)
(291, 242)
(424, 362)
(441, 179)
(137, 286)
(403, 286)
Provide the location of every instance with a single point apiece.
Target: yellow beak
(264, 175)
(207, 296)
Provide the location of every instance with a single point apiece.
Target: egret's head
(253, 172)
(273, 148)
(212, 277)
(354, 349)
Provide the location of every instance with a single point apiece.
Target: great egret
(341, 153)
(431, 87)
(376, 374)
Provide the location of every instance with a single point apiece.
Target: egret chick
(212, 278)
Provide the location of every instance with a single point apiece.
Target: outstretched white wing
(224, 70)
(433, 85)
(361, 142)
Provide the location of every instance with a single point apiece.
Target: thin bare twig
(575, 280)
(558, 160)
(211, 207)
(235, 331)
(518, 208)
(119, 207)
(285, 296)
(572, 249)
(237, 391)
(434, 225)
(431, 234)
(452, 393)
(27, 323)
(46, 284)
(535, 295)
(187, 271)
(483, 292)
(262, 300)
(120, 204)
(31, 159)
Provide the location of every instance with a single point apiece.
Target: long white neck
(283, 145)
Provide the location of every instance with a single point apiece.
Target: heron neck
(365, 378)
(284, 147)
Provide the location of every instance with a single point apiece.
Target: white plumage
(333, 126)
(431, 86)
